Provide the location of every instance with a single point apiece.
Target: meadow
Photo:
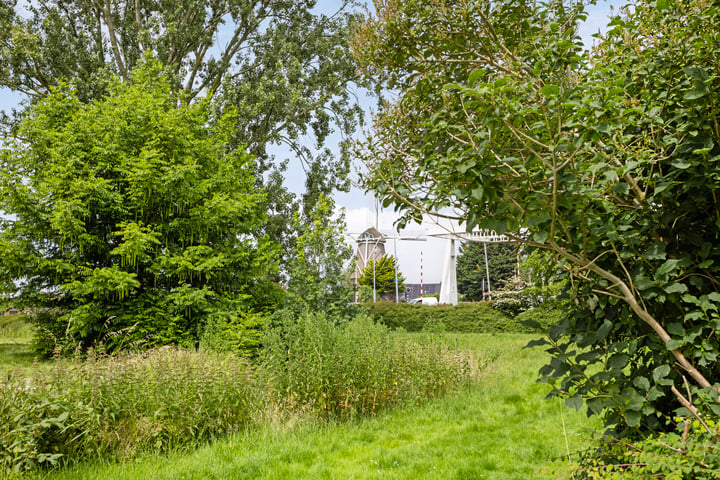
(490, 423)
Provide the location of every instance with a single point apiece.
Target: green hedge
(479, 317)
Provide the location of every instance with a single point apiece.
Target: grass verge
(501, 428)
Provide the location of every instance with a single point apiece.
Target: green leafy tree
(606, 159)
(471, 271)
(318, 271)
(380, 275)
(130, 217)
(282, 65)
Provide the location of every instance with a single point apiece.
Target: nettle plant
(609, 160)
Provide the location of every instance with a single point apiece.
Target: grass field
(501, 428)
(15, 338)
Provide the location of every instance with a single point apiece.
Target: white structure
(448, 288)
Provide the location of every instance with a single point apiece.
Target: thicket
(113, 407)
(689, 453)
(480, 317)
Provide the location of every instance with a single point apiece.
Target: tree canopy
(282, 65)
(609, 159)
(131, 217)
(472, 272)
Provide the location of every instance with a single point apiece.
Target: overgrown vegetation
(15, 326)
(690, 453)
(113, 407)
(501, 428)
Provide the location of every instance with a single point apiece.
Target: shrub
(170, 398)
(691, 453)
(477, 317)
(339, 371)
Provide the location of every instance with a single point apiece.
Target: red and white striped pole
(421, 273)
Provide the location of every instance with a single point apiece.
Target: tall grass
(356, 368)
(499, 428)
(117, 406)
(15, 327)
(113, 408)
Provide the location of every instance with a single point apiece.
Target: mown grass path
(499, 429)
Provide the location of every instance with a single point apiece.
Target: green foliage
(478, 317)
(465, 435)
(471, 271)
(606, 159)
(116, 407)
(113, 408)
(380, 275)
(689, 454)
(317, 272)
(283, 67)
(131, 218)
(340, 371)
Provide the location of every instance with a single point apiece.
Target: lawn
(15, 338)
(501, 428)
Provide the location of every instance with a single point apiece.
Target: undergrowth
(114, 407)
(691, 453)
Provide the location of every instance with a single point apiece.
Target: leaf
(604, 329)
(660, 373)
(676, 329)
(676, 288)
(697, 92)
(697, 73)
(674, 344)
(540, 236)
(603, 127)
(643, 283)
(536, 343)
(680, 163)
(618, 361)
(667, 267)
(642, 383)
(478, 192)
(714, 297)
(550, 91)
(576, 401)
(621, 188)
(656, 251)
(632, 418)
(475, 75)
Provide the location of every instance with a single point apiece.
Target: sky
(359, 207)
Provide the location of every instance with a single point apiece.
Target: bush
(691, 453)
(339, 371)
(477, 317)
